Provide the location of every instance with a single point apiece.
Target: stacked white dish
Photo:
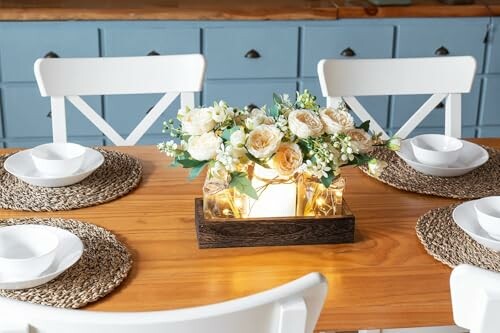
(54, 164)
(31, 255)
(442, 156)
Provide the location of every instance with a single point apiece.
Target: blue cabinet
(256, 52)
(352, 41)
(27, 114)
(490, 114)
(493, 54)
(21, 44)
(94, 141)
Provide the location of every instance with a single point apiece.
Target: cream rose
(197, 121)
(258, 117)
(304, 124)
(204, 147)
(263, 141)
(335, 121)
(237, 138)
(361, 141)
(287, 159)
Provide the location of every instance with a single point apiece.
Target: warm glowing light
(238, 202)
(337, 194)
(226, 212)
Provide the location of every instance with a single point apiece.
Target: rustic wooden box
(217, 233)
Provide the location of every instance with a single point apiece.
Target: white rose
(218, 171)
(237, 138)
(204, 147)
(336, 121)
(258, 117)
(197, 121)
(264, 141)
(304, 124)
(287, 159)
(219, 112)
(361, 141)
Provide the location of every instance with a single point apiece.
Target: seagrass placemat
(118, 175)
(104, 264)
(481, 182)
(449, 244)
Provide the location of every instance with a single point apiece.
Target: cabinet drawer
(124, 112)
(251, 52)
(344, 42)
(146, 140)
(20, 46)
(405, 106)
(32, 142)
(26, 114)
(493, 65)
(467, 131)
(141, 42)
(377, 106)
(240, 94)
(489, 132)
(442, 38)
(490, 113)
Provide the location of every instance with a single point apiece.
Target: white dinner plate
(21, 166)
(68, 252)
(465, 217)
(471, 157)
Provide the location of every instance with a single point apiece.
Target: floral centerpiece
(289, 154)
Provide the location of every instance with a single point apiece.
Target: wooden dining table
(384, 279)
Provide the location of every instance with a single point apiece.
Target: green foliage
(196, 170)
(364, 126)
(240, 181)
(327, 181)
(226, 135)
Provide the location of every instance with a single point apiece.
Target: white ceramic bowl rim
(53, 238)
(73, 150)
(422, 142)
(484, 206)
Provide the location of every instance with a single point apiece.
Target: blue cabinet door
(94, 141)
(340, 42)
(22, 44)
(377, 106)
(27, 114)
(493, 56)
(243, 93)
(490, 113)
(442, 37)
(258, 52)
(489, 132)
(140, 41)
(467, 131)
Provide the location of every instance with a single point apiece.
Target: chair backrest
(71, 78)
(475, 295)
(291, 308)
(443, 78)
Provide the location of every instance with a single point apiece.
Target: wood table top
(384, 279)
(40, 10)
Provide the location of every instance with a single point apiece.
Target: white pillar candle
(275, 199)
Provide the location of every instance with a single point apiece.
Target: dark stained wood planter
(219, 233)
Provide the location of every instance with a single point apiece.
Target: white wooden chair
(475, 295)
(71, 78)
(444, 77)
(292, 308)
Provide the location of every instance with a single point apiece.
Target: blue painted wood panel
(377, 106)
(493, 54)
(32, 142)
(467, 132)
(405, 106)
(225, 50)
(124, 112)
(151, 139)
(329, 42)
(242, 93)
(21, 45)
(489, 132)
(26, 113)
(138, 41)
(490, 113)
(423, 38)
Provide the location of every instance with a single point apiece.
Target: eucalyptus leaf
(226, 135)
(364, 126)
(277, 99)
(240, 181)
(195, 171)
(274, 111)
(327, 181)
(189, 162)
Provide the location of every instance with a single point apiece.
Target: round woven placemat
(118, 175)
(481, 182)
(446, 242)
(104, 264)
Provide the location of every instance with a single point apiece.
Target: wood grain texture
(252, 232)
(23, 10)
(384, 279)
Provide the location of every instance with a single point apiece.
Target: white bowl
(58, 159)
(488, 215)
(26, 250)
(436, 149)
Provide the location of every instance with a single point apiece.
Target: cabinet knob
(252, 54)
(442, 51)
(440, 105)
(348, 52)
(51, 54)
(251, 106)
(153, 53)
(49, 115)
